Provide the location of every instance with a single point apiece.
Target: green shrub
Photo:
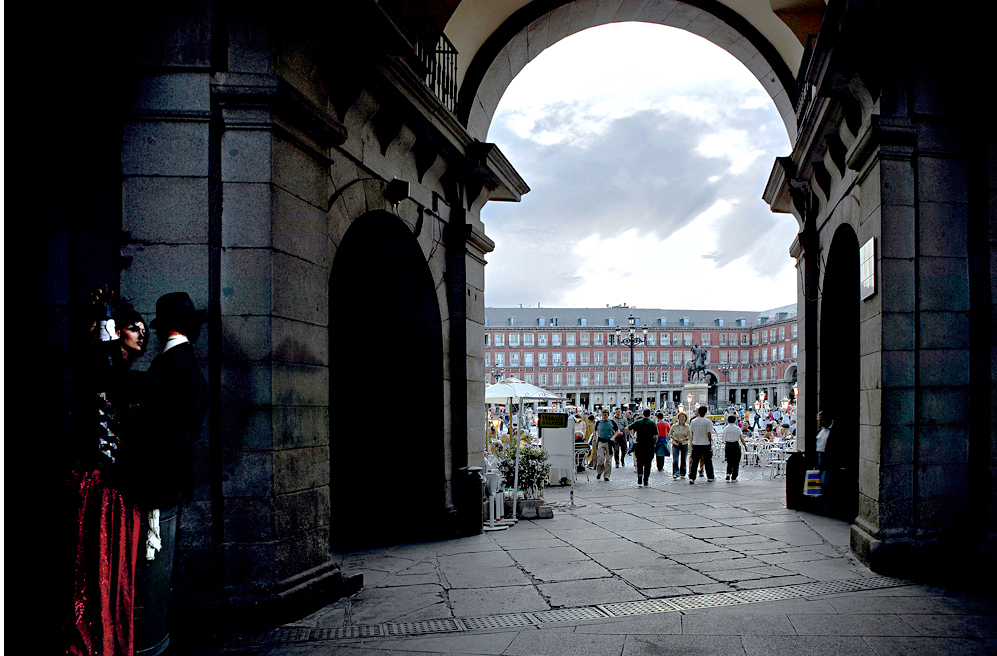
(534, 470)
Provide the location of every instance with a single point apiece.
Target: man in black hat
(175, 413)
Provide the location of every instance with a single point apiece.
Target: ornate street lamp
(631, 340)
(725, 368)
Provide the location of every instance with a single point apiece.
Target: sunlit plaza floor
(708, 568)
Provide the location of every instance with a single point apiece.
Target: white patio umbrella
(508, 389)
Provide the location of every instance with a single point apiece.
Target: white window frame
(542, 359)
(514, 359)
(555, 339)
(597, 358)
(583, 339)
(542, 339)
(528, 339)
(527, 359)
(597, 340)
(499, 339)
(665, 339)
(570, 340)
(514, 340)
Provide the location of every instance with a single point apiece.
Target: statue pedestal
(700, 393)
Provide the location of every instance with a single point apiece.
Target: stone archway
(380, 276)
(538, 25)
(839, 369)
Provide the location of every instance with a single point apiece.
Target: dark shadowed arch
(386, 399)
(839, 368)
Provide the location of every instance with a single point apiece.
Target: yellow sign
(552, 420)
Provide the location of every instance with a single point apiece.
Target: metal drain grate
(569, 614)
(705, 601)
(625, 608)
(498, 621)
(602, 611)
(424, 626)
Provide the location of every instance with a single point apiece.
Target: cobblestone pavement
(706, 568)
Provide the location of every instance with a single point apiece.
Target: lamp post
(725, 368)
(631, 340)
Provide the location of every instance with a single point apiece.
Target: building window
(557, 380)
(723, 357)
(650, 339)
(624, 357)
(664, 357)
(676, 357)
(598, 378)
(529, 378)
(570, 339)
(794, 349)
(543, 380)
(686, 357)
(488, 340)
(733, 376)
(499, 359)
(571, 379)
(571, 359)
(772, 335)
(744, 339)
(582, 321)
(557, 359)
(794, 331)
(513, 339)
(528, 359)
(652, 377)
(686, 339)
(512, 321)
(744, 357)
(638, 378)
(543, 359)
(782, 333)
(652, 357)
(514, 359)
(765, 355)
(756, 356)
(773, 373)
(488, 359)
(723, 339)
(555, 339)
(611, 321)
(598, 339)
(583, 339)
(611, 378)
(665, 341)
(611, 357)
(720, 322)
(664, 377)
(765, 374)
(585, 379)
(625, 377)
(676, 339)
(528, 339)
(598, 357)
(585, 357)
(706, 339)
(541, 321)
(542, 339)
(499, 339)
(638, 357)
(782, 352)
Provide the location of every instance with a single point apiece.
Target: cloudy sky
(647, 150)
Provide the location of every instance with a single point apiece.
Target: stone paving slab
(623, 544)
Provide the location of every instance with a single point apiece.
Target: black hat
(177, 311)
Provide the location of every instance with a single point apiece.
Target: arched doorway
(839, 370)
(386, 389)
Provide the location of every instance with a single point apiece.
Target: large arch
(499, 43)
(380, 270)
(839, 369)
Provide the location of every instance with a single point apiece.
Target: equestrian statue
(697, 366)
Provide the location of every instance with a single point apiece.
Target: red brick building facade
(576, 352)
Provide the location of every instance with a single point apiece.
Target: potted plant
(534, 470)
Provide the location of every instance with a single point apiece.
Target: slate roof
(498, 317)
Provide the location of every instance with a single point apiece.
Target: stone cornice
(888, 137)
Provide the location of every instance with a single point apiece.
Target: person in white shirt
(826, 424)
(733, 439)
(702, 432)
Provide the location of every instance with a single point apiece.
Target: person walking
(620, 441)
(733, 439)
(661, 445)
(702, 432)
(680, 436)
(605, 431)
(646, 433)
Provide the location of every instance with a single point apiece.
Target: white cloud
(647, 149)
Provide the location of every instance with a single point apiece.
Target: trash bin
(470, 500)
